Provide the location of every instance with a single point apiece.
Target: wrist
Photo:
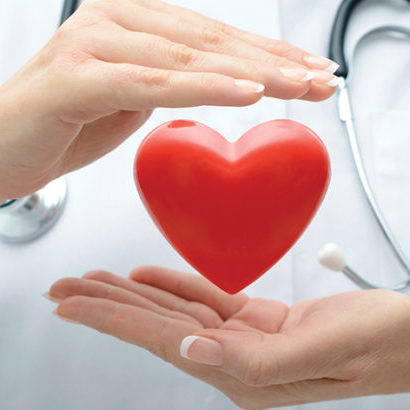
(21, 168)
(394, 350)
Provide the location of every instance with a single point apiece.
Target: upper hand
(112, 62)
(260, 353)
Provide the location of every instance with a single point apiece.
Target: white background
(46, 364)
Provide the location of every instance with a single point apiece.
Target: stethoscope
(331, 255)
(26, 219)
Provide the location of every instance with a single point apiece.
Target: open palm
(270, 355)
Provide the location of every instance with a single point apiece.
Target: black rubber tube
(337, 38)
(69, 7)
(7, 203)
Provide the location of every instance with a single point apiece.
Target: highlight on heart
(232, 210)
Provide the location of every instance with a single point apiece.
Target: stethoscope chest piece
(28, 218)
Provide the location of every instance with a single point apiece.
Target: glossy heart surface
(232, 210)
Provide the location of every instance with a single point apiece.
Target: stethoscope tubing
(69, 7)
(346, 116)
(338, 35)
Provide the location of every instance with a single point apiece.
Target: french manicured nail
(334, 83)
(297, 74)
(326, 78)
(321, 63)
(201, 350)
(65, 319)
(332, 68)
(52, 298)
(250, 86)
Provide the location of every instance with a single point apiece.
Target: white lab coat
(47, 364)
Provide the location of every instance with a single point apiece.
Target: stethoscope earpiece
(331, 257)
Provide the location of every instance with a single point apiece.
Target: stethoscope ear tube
(338, 35)
(69, 7)
(331, 256)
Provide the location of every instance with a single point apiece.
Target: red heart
(232, 210)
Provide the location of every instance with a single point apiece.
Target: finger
(155, 332)
(258, 359)
(275, 47)
(68, 287)
(323, 86)
(131, 88)
(190, 287)
(202, 313)
(157, 52)
(161, 335)
(188, 33)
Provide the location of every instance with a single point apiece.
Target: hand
(260, 353)
(113, 62)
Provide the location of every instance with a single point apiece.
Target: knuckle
(120, 81)
(149, 76)
(80, 21)
(73, 41)
(209, 85)
(281, 61)
(222, 28)
(207, 81)
(181, 54)
(102, 7)
(211, 35)
(109, 292)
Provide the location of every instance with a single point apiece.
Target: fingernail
(250, 86)
(65, 319)
(334, 83)
(52, 298)
(332, 68)
(201, 350)
(326, 78)
(297, 74)
(321, 63)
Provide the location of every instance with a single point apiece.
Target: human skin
(99, 78)
(260, 353)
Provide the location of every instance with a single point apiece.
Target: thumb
(256, 358)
